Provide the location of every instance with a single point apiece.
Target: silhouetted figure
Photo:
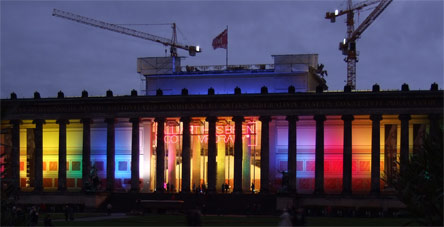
(108, 208)
(48, 220)
(66, 212)
(285, 181)
(138, 205)
(298, 217)
(194, 217)
(71, 213)
(34, 215)
(252, 188)
(93, 180)
(285, 219)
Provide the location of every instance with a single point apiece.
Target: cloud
(45, 53)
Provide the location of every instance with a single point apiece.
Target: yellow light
(336, 12)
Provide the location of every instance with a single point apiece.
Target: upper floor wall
(167, 74)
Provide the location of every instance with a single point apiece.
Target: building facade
(297, 142)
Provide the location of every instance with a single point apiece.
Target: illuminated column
(246, 162)
(375, 172)
(186, 139)
(15, 153)
(86, 151)
(172, 138)
(62, 154)
(292, 153)
(160, 153)
(135, 146)
(404, 154)
(220, 161)
(110, 153)
(198, 132)
(319, 162)
(38, 165)
(238, 153)
(347, 155)
(212, 149)
(265, 153)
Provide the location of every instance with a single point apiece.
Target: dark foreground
(122, 219)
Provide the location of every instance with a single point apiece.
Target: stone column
(62, 154)
(319, 162)
(186, 143)
(86, 152)
(38, 165)
(347, 155)
(375, 171)
(15, 153)
(265, 153)
(292, 153)
(238, 153)
(404, 154)
(172, 131)
(212, 151)
(160, 153)
(135, 146)
(110, 153)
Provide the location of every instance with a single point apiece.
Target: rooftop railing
(229, 68)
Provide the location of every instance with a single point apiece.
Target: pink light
(171, 139)
(223, 133)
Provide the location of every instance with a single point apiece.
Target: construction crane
(348, 45)
(172, 43)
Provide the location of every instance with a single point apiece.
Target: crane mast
(172, 43)
(348, 46)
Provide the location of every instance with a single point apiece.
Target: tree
(421, 187)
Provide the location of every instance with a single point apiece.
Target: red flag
(221, 41)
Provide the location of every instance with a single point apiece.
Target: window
(76, 166)
(123, 166)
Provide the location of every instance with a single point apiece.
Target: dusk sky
(43, 53)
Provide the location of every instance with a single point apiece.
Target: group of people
(69, 213)
(200, 189)
(225, 187)
(30, 216)
(170, 187)
(33, 216)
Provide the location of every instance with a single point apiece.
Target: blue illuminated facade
(295, 70)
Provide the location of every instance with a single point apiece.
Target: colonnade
(212, 152)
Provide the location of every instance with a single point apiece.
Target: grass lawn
(76, 215)
(180, 220)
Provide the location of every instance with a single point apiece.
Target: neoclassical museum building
(261, 128)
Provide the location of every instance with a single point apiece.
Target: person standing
(108, 208)
(66, 212)
(48, 221)
(285, 219)
(34, 216)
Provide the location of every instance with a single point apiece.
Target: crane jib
(120, 29)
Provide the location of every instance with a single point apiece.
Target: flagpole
(226, 51)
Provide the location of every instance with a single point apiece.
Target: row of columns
(212, 151)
